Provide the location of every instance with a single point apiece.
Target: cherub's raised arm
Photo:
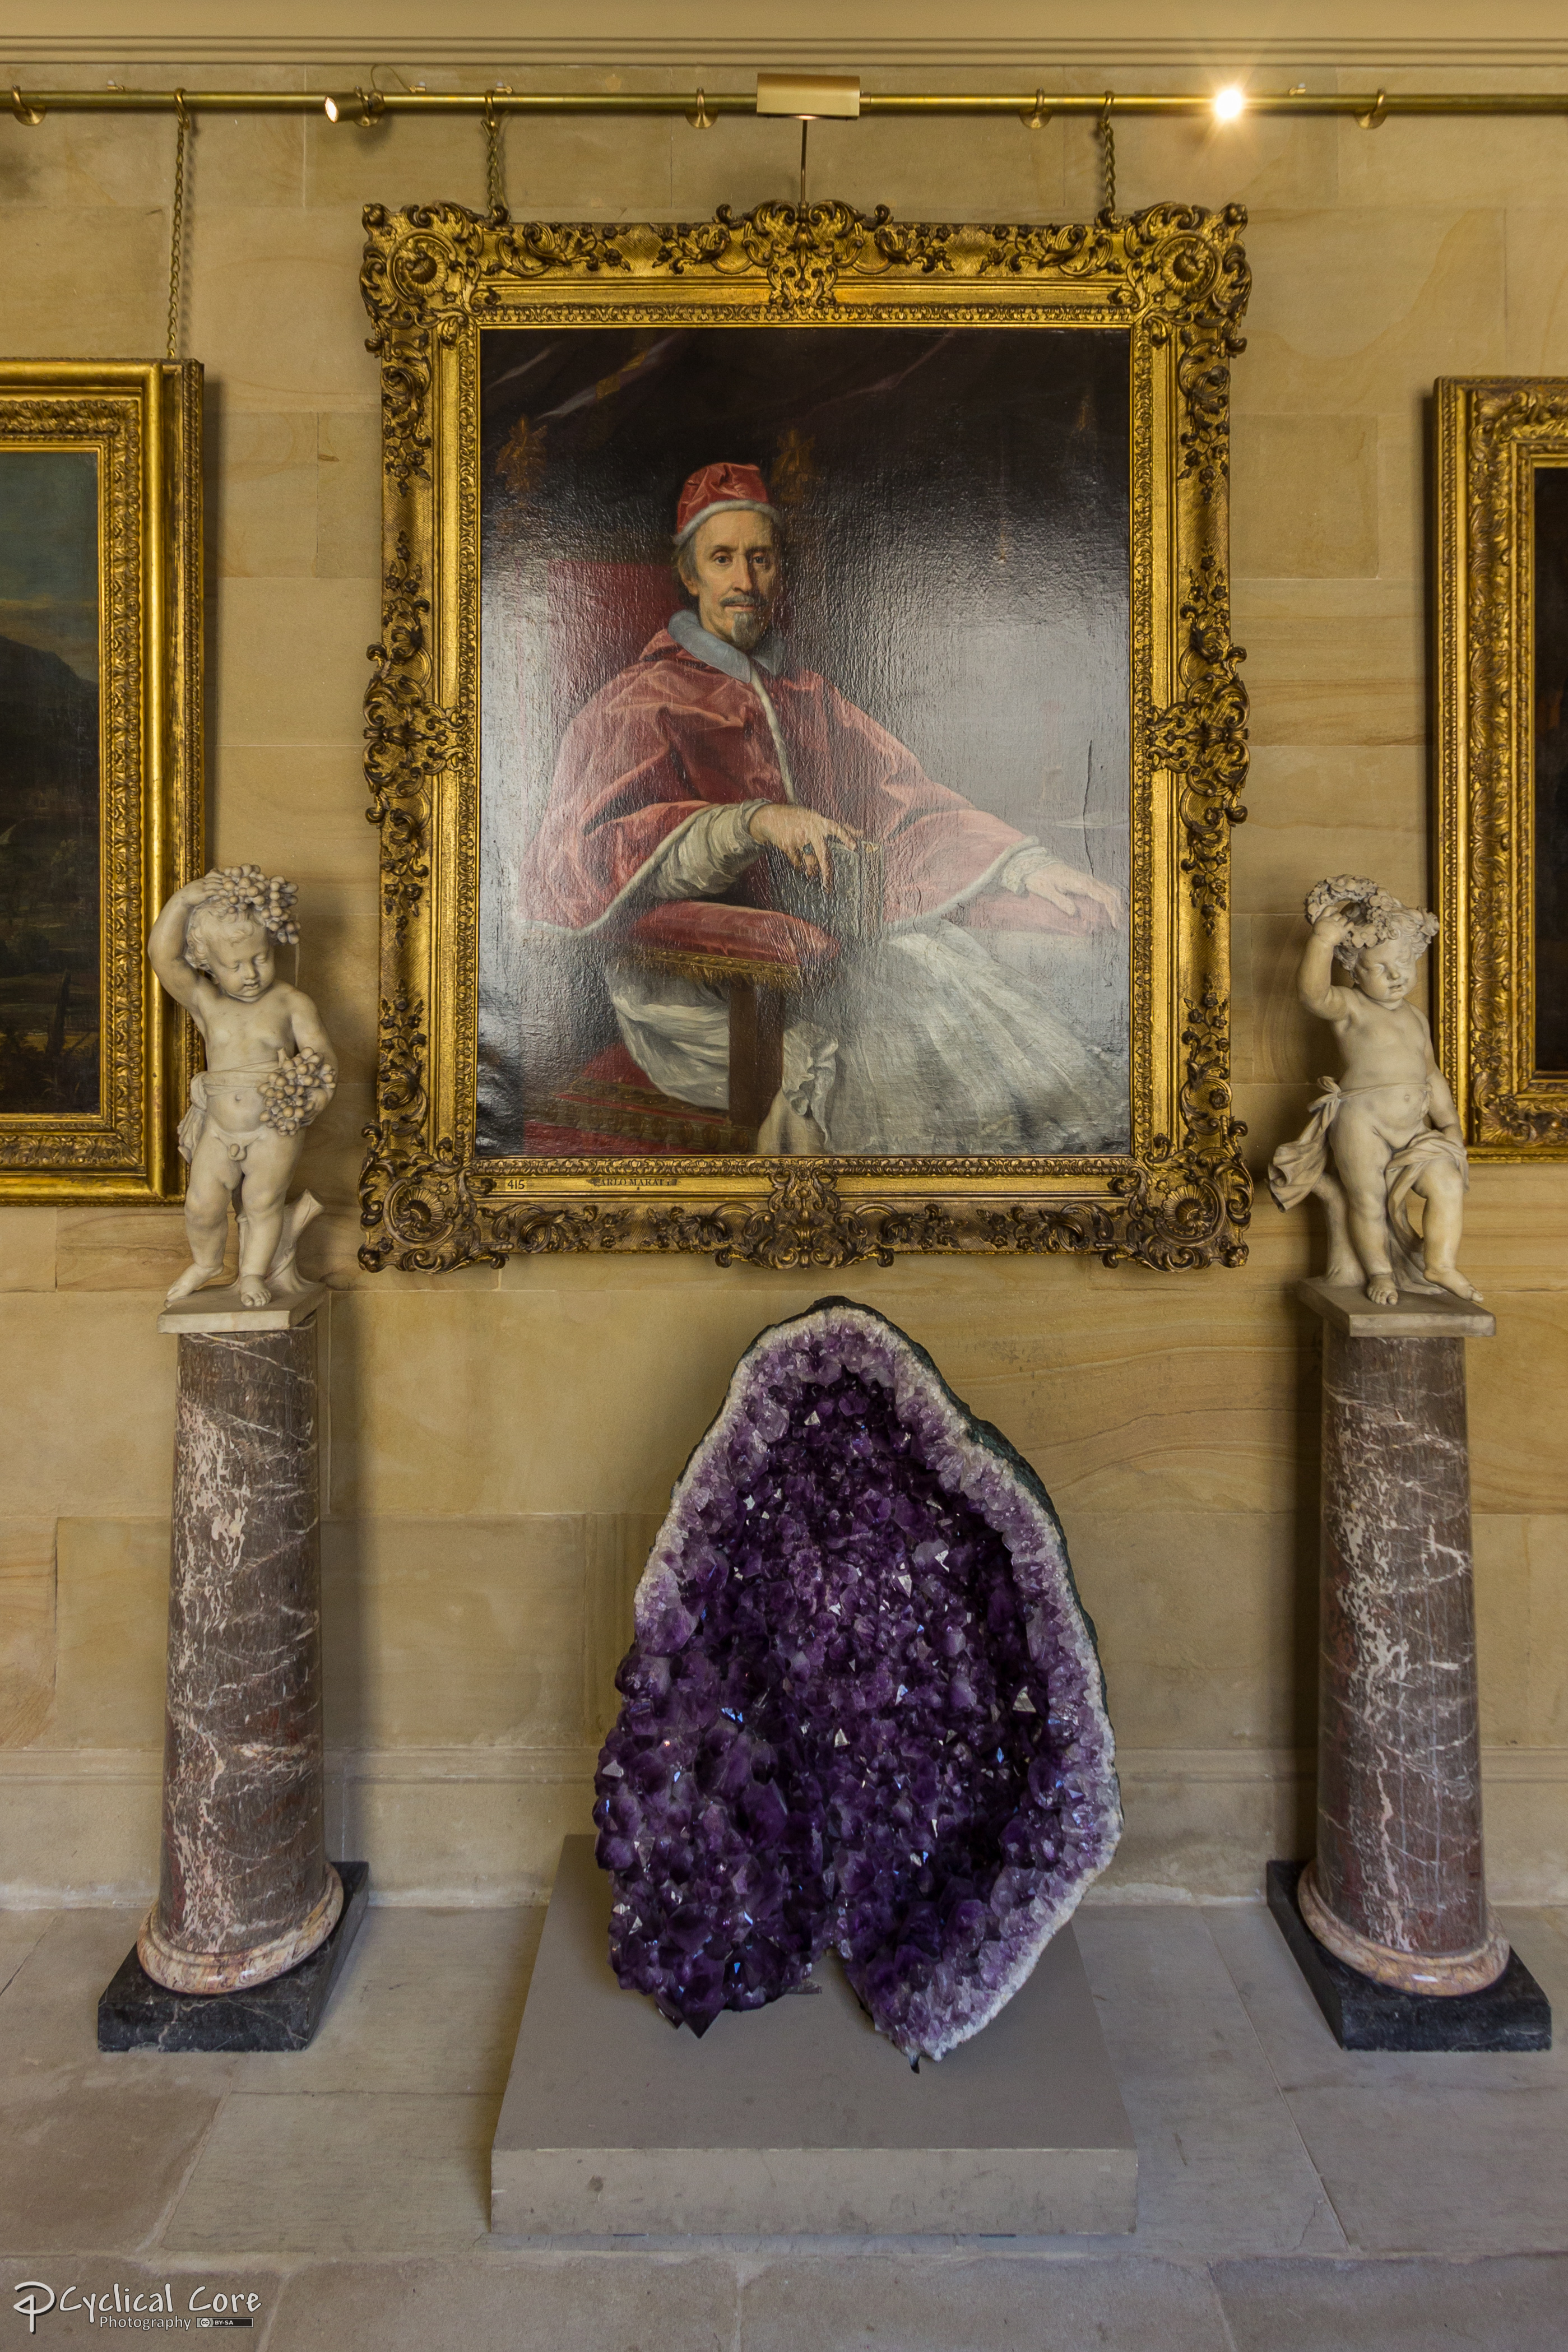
(166, 941)
(1315, 980)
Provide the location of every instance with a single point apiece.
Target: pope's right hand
(802, 836)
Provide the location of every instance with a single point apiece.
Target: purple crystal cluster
(863, 1707)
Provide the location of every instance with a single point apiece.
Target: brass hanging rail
(366, 107)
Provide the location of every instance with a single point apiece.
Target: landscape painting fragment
(1552, 767)
(50, 782)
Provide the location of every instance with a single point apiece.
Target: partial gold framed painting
(1501, 661)
(806, 736)
(100, 781)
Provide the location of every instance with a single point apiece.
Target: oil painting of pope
(808, 944)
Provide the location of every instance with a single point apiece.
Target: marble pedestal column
(246, 1890)
(1397, 1887)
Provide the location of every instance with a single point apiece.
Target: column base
(1511, 2013)
(136, 2012)
(181, 1971)
(1445, 1974)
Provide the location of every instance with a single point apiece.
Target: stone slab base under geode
(135, 2013)
(1511, 2014)
(798, 2117)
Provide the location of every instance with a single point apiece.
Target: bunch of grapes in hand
(295, 1091)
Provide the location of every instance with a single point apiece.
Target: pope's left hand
(1089, 903)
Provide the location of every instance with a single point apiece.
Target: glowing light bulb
(1230, 104)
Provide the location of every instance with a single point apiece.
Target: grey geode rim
(970, 1457)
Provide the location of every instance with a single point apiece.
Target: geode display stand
(250, 1925)
(798, 2119)
(1390, 1920)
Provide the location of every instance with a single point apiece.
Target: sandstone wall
(499, 1445)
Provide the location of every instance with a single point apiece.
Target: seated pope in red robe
(713, 766)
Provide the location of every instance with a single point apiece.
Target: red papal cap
(714, 487)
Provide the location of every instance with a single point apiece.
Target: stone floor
(1292, 2197)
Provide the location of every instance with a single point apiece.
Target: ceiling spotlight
(1230, 104)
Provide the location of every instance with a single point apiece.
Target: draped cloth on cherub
(925, 1043)
(199, 1121)
(1298, 1168)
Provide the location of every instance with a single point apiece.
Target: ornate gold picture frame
(1502, 798)
(101, 767)
(447, 1181)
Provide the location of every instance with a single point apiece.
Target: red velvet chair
(762, 959)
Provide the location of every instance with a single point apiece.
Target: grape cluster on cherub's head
(249, 900)
(294, 1092)
(1372, 915)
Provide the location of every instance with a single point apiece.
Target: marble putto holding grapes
(270, 1070)
(1390, 1126)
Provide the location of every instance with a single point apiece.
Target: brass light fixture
(365, 106)
(808, 97)
(368, 107)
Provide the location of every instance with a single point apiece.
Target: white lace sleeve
(1024, 861)
(709, 855)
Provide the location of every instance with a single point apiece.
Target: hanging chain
(1108, 151)
(177, 225)
(495, 179)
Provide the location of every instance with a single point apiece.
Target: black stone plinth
(1512, 2014)
(135, 2013)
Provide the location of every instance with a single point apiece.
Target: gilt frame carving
(1176, 277)
(1491, 434)
(143, 420)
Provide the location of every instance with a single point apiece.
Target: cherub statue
(1391, 1122)
(269, 1072)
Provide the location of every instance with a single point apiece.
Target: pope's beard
(746, 620)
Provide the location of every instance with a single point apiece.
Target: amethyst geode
(863, 1707)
